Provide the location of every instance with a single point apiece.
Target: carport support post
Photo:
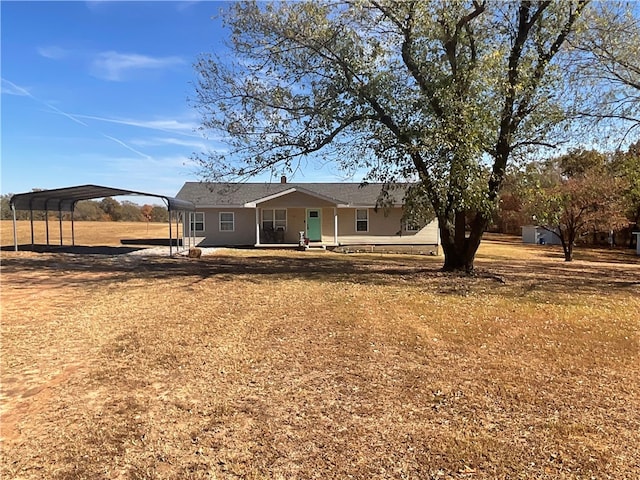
(15, 233)
(31, 219)
(73, 232)
(170, 236)
(60, 219)
(46, 223)
(177, 231)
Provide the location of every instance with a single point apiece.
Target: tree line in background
(583, 196)
(107, 209)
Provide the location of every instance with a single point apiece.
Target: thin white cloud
(114, 66)
(163, 141)
(95, 5)
(184, 5)
(10, 88)
(164, 174)
(53, 52)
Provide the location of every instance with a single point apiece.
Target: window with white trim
(196, 220)
(274, 219)
(227, 221)
(362, 220)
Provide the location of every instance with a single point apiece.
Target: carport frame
(65, 200)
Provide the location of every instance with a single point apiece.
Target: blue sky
(96, 92)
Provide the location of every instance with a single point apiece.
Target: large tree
(439, 94)
(112, 208)
(607, 54)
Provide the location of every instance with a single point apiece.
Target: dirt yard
(296, 365)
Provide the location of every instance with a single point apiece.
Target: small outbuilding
(538, 235)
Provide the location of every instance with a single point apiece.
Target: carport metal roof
(65, 199)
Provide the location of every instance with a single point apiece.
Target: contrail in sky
(73, 118)
(120, 142)
(170, 126)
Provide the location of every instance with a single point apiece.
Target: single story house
(320, 214)
(539, 235)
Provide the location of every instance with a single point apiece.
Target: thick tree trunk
(460, 248)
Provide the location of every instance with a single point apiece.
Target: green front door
(314, 230)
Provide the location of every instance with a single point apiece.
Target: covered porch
(298, 218)
(295, 218)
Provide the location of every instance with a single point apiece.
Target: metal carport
(65, 199)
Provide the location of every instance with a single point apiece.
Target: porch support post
(335, 226)
(257, 226)
(192, 226)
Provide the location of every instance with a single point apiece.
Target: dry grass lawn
(297, 365)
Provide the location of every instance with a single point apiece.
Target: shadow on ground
(521, 277)
(74, 249)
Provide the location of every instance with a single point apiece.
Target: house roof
(64, 199)
(204, 194)
(291, 190)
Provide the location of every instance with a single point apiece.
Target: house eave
(255, 204)
(198, 206)
(289, 191)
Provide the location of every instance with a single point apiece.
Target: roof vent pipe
(283, 179)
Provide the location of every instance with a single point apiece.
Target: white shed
(637, 234)
(538, 235)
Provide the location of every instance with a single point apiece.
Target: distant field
(258, 364)
(86, 233)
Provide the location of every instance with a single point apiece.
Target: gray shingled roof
(238, 194)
